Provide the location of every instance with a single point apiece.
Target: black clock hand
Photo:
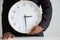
(25, 20)
(28, 16)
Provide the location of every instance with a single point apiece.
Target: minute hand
(25, 20)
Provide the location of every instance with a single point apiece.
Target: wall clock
(23, 16)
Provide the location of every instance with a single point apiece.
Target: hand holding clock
(7, 35)
(36, 30)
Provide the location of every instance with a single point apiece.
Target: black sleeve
(6, 7)
(46, 13)
(5, 24)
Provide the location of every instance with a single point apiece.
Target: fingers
(36, 30)
(7, 36)
(12, 36)
(32, 31)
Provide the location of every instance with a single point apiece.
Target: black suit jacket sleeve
(6, 6)
(5, 25)
(47, 13)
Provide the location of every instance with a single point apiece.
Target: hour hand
(25, 20)
(28, 16)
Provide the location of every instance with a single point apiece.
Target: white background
(54, 27)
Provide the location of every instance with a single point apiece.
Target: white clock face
(23, 16)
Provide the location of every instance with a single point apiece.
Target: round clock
(23, 16)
